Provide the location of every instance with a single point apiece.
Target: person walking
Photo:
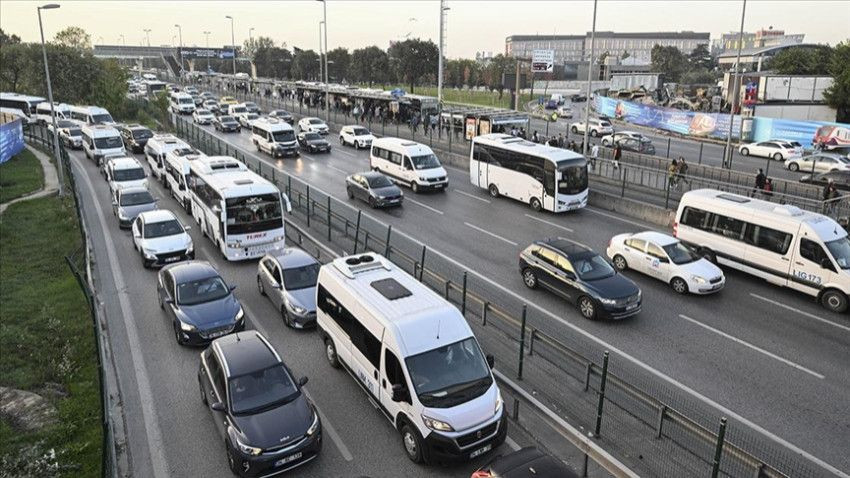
(560, 140)
(594, 153)
(534, 137)
(618, 153)
(682, 172)
(672, 172)
(761, 179)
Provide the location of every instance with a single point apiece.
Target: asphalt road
(771, 355)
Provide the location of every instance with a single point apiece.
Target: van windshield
(449, 375)
(104, 118)
(840, 251)
(109, 142)
(283, 136)
(238, 109)
(426, 161)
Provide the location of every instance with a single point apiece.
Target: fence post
(522, 342)
(308, 205)
(667, 195)
(623, 187)
(422, 263)
(701, 144)
(718, 451)
(668, 148)
(662, 412)
(329, 219)
(357, 230)
(387, 244)
(598, 430)
(463, 299)
(484, 313)
(289, 186)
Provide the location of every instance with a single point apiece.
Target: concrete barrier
(629, 207)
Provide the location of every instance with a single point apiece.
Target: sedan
(288, 278)
(313, 125)
(161, 239)
(226, 101)
(282, 115)
(211, 105)
(374, 188)
(356, 136)
(129, 203)
(524, 463)
(611, 139)
(636, 145)
(666, 259)
(841, 179)
(777, 150)
(202, 116)
(818, 163)
(198, 303)
(245, 120)
(70, 133)
(226, 123)
(313, 142)
(252, 107)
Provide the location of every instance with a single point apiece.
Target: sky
(472, 25)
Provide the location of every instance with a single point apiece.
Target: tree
(270, 60)
(338, 62)
(369, 65)
(700, 58)
(413, 60)
(253, 46)
(110, 87)
(305, 65)
(8, 39)
(17, 61)
(697, 76)
(802, 61)
(669, 61)
(74, 37)
(838, 94)
(492, 73)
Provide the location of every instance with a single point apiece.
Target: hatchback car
(313, 142)
(282, 115)
(356, 136)
(581, 276)
(135, 136)
(818, 163)
(288, 278)
(226, 123)
(211, 105)
(666, 259)
(313, 125)
(374, 188)
(525, 463)
(202, 116)
(198, 303)
(127, 203)
(161, 239)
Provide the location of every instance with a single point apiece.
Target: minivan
(409, 163)
(100, 141)
(273, 136)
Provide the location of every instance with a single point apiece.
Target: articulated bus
(241, 212)
(541, 176)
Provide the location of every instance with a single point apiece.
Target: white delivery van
(157, 147)
(409, 163)
(100, 141)
(782, 244)
(274, 136)
(44, 116)
(177, 169)
(124, 173)
(182, 103)
(91, 115)
(413, 354)
(237, 111)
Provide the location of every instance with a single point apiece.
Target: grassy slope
(19, 176)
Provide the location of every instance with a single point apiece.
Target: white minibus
(182, 103)
(44, 116)
(157, 147)
(101, 140)
(176, 164)
(91, 115)
(409, 163)
(274, 136)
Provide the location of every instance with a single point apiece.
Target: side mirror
(491, 360)
(232, 287)
(217, 406)
(187, 228)
(302, 381)
(399, 393)
(825, 263)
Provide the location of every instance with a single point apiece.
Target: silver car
(288, 278)
(128, 203)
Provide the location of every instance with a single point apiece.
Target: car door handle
(375, 374)
(799, 263)
(786, 259)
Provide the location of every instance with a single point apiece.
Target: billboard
(212, 53)
(543, 61)
(11, 139)
(693, 123)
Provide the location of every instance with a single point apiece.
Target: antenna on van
(438, 328)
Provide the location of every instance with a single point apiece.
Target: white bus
(176, 174)
(782, 244)
(20, 105)
(541, 176)
(91, 115)
(241, 212)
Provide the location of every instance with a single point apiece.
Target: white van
(182, 103)
(782, 244)
(124, 173)
(91, 115)
(274, 136)
(413, 354)
(101, 140)
(157, 147)
(176, 173)
(238, 111)
(409, 163)
(43, 115)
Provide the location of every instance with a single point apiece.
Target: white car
(597, 127)
(247, 119)
(161, 239)
(356, 136)
(202, 116)
(312, 125)
(123, 172)
(819, 163)
(778, 150)
(667, 259)
(611, 139)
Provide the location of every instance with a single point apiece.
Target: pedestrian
(768, 187)
(572, 145)
(672, 171)
(682, 171)
(433, 122)
(594, 153)
(522, 132)
(581, 147)
(618, 153)
(560, 140)
(760, 180)
(534, 137)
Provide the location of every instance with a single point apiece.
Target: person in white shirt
(594, 153)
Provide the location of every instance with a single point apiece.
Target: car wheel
(593, 133)
(412, 443)
(834, 301)
(529, 278)
(574, 130)
(587, 308)
(260, 287)
(350, 193)
(372, 203)
(414, 186)
(679, 285)
(745, 151)
(535, 204)
(793, 167)
(145, 262)
(777, 156)
(341, 141)
(177, 336)
(330, 353)
(494, 191)
(620, 263)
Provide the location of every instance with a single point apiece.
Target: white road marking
(811, 316)
(511, 443)
(407, 199)
(757, 349)
(492, 234)
(340, 150)
(627, 221)
(549, 223)
(337, 169)
(471, 196)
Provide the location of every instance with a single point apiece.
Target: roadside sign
(543, 61)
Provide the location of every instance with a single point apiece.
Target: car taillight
(675, 229)
(481, 474)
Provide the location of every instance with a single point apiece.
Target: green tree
(8, 39)
(492, 74)
(838, 94)
(802, 61)
(369, 65)
(700, 58)
(669, 61)
(339, 61)
(17, 61)
(413, 61)
(110, 87)
(305, 65)
(74, 37)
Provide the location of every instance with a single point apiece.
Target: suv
(267, 422)
(598, 127)
(135, 136)
(356, 136)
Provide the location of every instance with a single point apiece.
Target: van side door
(365, 353)
(393, 377)
(811, 267)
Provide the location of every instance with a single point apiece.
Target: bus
(241, 212)
(20, 105)
(544, 177)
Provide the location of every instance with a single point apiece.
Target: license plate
(480, 451)
(441, 185)
(171, 259)
(288, 459)
(631, 307)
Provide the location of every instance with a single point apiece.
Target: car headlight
(122, 216)
(698, 279)
(314, 427)
(240, 315)
(190, 247)
(608, 301)
(437, 425)
(149, 253)
(187, 327)
(296, 308)
(499, 402)
(247, 449)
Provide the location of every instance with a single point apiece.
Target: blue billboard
(692, 123)
(11, 139)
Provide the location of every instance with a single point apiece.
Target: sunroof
(390, 288)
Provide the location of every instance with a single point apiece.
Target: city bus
(23, 106)
(239, 211)
(544, 177)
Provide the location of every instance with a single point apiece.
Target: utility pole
(442, 47)
(148, 36)
(321, 58)
(180, 33)
(727, 154)
(519, 61)
(208, 53)
(56, 155)
(589, 82)
(232, 42)
(327, 95)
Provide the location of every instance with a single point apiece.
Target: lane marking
(549, 223)
(511, 443)
(801, 312)
(337, 169)
(627, 221)
(406, 199)
(471, 196)
(753, 347)
(492, 234)
(340, 150)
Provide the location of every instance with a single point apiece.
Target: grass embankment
(46, 342)
(19, 176)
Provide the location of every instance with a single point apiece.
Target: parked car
(127, 203)
(636, 145)
(282, 115)
(313, 142)
(313, 125)
(203, 116)
(226, 123)
(611, 139)
(288, 278)
(198, 302)
(778, 150)
(818, 163)
(374, 188)
(841, 179)
(247, 119)
(267, 422)
(356, 136)
(526, 462)
(597, 127)
(161, 239)
(252, 107)
(212, 105)
(135, 136)
(581, 276)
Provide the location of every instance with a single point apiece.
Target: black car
(578, 98)
(252, 107)
(135, 136)
(840, 178)
(282, 115)
(581, 276)
(313, 142)
(374, 188)
(524, 463)
(636, 145)
(199, 304)
(267, 423)
(226, 123)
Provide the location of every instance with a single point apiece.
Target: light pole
(321, 56)
(232, 42)
(180, 35)
(148, 36)
(589, 82)
(56, 155)
(727, 153)
(123, 40)
(208, 53)
(327, 96)
(442, 47)
(250, 36)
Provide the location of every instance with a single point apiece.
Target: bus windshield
(572, 179)
(108, 142)
(253, 214)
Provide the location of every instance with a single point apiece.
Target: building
(728, 42)
(753, 59)
(568, 48)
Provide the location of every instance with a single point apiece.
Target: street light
(589, 83)
(59, 165)
(148, 35)
(443, 10)
(727, 153)
(250, 36)
(180, 34)
(327, 98)
(208, 53)
(232, 42)
(123, 40)
(320, 50)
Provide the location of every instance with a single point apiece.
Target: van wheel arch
(834, 300)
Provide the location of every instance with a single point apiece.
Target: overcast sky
(471, 26)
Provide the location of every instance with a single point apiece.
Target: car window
(276, 272)
(655, 251)
(638, 244)
(262, 389)
(547, 255)
(201, 290)
(301, 277)
(812, 251)
(562, 263)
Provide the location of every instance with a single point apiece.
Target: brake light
(675, 229)
(481, 474)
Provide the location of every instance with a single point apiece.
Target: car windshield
(65, 124)
(379, 182)
(104, 118)
(202, 112)
(227, 119)
(573, 179)
(163, 229)
(250, 214)
(680, 253)
(839, 249)
(74, 132)
(426, 161)
(280, 136)
(109, 142)
(129, 174)
(135, 199)
(302, 277)
(592, 267)
(315, 121)
(250, 105)
(449, 375)
(361, 132)
(142, 133)
(261, 390)
(187, 101)
(201, 290)
(238, 109)
(312, 136)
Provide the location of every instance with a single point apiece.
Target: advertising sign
(543, 61)
(470, 128)
(192, 53)
(11, 139)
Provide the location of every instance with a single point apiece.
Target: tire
(350, 193)
(494, 191)
(594, 133)
(793, 167)
(414, 186)
(535, 204)
(146, 264)
(260, 288)
(679, 285)
(745, 151)
(412, 443)
(574, 130)
(834, 301)
(330, 353)
(529, 278)
(341, 141)
(372, 203)
(620, 263)
(586, 307)
(777, 156)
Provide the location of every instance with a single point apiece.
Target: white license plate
(288, 459)
(218, 334)
(480, 451)
(172, 259)
(631, 307)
